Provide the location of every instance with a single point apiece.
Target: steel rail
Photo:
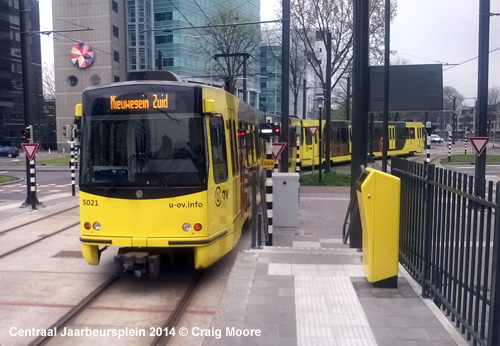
(175, 316)
(40, 219)
(37, 241)
(75, 311)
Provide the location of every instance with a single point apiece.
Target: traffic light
(266, 130)
(276, 130)
(75, 132)
(27, 133)
(67, 131)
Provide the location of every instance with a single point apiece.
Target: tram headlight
(97, 226)
(186, 227)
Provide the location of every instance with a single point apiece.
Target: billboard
(411, 88)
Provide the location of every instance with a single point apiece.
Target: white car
(436, 139)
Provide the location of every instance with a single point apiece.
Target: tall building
(270, 79)
(93, 56)
(188, 53)
(139, 35)
(12, 113)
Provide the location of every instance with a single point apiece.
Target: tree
(493, 102)
(230, 42)
(450, 93)
(48, 83)
(450, 96)
(340, 99)
(494, 95)
(312, 19)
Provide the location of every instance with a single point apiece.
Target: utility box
(379, 203)
(285, 199)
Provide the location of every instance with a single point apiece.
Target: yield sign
(30, 149)
(479, 143)
(312, 130)
(278, 149)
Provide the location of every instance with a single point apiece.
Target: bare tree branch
(231, 40)
(48, 83)
(312, 19)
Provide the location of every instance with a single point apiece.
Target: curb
(12, 182)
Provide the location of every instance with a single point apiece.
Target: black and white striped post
(269, 194)
(32, 182)
(276, 162)
(493, 137)
(428, 128)
(72, 161)
(466, 139)
(449, 146)
(30, 150)
(297, 156)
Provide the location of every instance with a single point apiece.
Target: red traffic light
(26, 133)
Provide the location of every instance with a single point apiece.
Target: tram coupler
(137, 263)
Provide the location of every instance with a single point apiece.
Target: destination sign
(154, 101)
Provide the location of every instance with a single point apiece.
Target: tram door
(350, 139)
(235, 165)
(392, 137)
(310, 147)
(219, 185)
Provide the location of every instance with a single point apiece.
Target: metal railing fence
(450, 244)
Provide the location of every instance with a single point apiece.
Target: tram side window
(218, 145)
(308, 137)
(411, 133)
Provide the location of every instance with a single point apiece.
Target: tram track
(37, 220)
(39, 238)
(175, 316)
(162, 334)
(75, 311)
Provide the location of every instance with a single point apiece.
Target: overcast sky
(439, 31)
(423, 32)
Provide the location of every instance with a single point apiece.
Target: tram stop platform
(309, 289)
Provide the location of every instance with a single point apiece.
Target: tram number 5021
(90, 203)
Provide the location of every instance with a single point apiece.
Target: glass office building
(12, 114)
(185, 52)
(270, 79)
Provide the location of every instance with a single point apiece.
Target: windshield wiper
(158, 174)
(121, 173)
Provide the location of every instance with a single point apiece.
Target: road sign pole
(466, 140)
(73, 168)
(32, 183)
(313, 153)
(30, 150)
(449, 146)
(297, 153)
(269, 194)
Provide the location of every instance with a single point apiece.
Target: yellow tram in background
(164, 166)
(405, 138)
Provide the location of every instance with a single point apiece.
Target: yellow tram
(405, 138)
(164, 165)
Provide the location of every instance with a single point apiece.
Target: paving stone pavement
(309, 289)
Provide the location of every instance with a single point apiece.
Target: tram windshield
(143, 148)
